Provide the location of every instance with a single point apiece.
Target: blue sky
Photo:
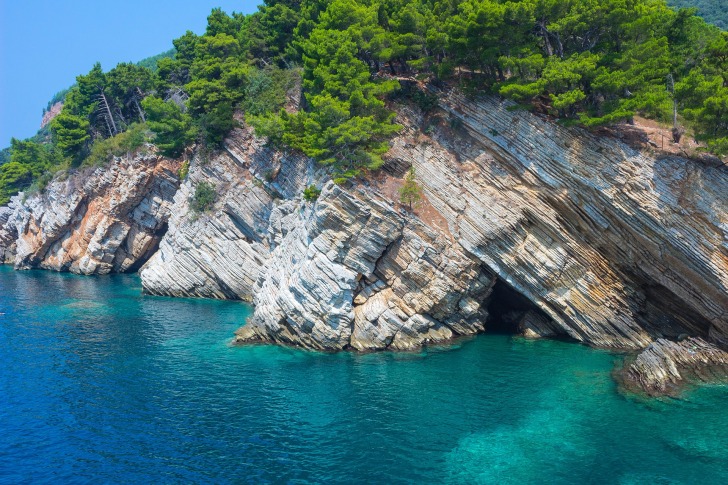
(45, 44)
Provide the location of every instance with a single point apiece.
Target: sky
(45, 44)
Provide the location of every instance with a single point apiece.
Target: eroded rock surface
(665, 366)
(93, 221)
(220, 253)
(352, 271)
(618, 247)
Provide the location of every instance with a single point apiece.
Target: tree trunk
(545, 35)
(108, 112)
(141, 111)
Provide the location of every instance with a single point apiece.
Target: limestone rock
(665, 366)
(95, 220)
(617, 247)
(434, 291)
(306, 295)
(350, 271)
(222, 252)
(8, 236)
(534, 325)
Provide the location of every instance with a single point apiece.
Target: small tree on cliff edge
(410, 192)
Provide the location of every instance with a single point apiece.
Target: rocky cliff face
(605, 245)
(617, 247)
(93, 221)
(613, 247)
(49, 115)
(221, 253)
(350, 271)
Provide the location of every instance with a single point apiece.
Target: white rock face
(221, 253)
(92, 221)
(8, 236)
(618, 247)
(351, 271)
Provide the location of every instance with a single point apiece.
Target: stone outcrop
(94, 220)
(665, 366)
(221, 253)
(8, 236)
(610, 246)
(351, 271)
(49, 115)
(617, 247)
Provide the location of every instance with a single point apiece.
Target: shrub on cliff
(311, 193)
(123, 144)
(410, 193)
(204, 197)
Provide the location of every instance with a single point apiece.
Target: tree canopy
(590, 62)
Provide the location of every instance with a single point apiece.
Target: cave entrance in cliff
(150, 251)
(506, 309)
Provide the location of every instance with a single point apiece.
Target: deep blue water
(99, 384)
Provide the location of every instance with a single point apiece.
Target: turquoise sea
(99, 384)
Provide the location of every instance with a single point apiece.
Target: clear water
(99, 384)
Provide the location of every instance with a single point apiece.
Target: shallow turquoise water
(100, 384)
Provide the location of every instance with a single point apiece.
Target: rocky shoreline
(596, 241)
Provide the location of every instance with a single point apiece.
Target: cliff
(92, 221)
(556, 231)
(52, 112)
(613, 247)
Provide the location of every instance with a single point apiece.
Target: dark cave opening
(506, 308)
(153, 248)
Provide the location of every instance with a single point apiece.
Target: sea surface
(99, 384)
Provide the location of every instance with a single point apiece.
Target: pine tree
(410, 193)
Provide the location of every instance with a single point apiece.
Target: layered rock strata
(221, 253)
(665, 366)
(613, 247)
(616, 246)
(92, 221)
(351, 271)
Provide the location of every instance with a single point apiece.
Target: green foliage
(71, 133)
(4, 155)
(713, 11)
(173, 128)
(151, 63)
(347, 125)
(410, 193)
(592, 62)
(14, 177)
(267, 89)
(311, 193)
(123, 144)
(184, 170)
(29, 161)
(204, 197)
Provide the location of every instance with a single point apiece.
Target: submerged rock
(664, 367)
